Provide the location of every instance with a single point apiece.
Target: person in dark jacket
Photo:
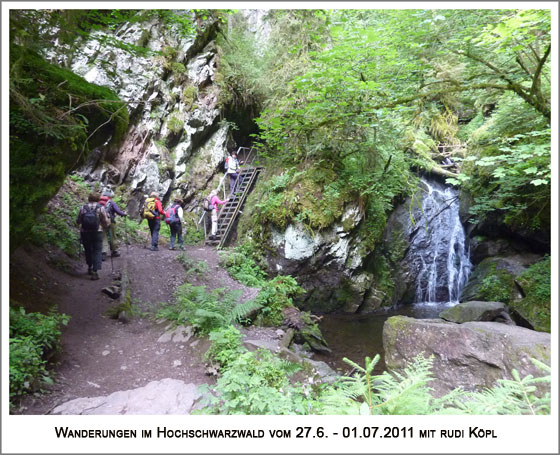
(92, 219)
(176, 227)
(112, 210)
(155, 223)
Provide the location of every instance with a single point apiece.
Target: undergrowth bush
(205, 310)
(256, 383)
(32, 337)
(226, 346)
(259, 383)
(274, 296)
(244, 264)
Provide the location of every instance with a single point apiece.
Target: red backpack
(171, 214)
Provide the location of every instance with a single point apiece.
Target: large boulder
(476, 311)
(473, 355)
(168, 396)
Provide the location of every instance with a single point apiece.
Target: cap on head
(108, 192)
(154, 194)
(179, 200)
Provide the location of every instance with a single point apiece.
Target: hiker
(93, 219)
(112, 210)
(176, 221)
(214, 202)
(233, 170)
(152, 212)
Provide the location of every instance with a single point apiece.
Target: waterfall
(438, 252)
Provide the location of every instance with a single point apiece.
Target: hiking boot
(171, 248)
(94, 276)
(182, 248)
(115, 254)
(89, 270)
(154, 248)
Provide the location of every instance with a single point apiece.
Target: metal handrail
(222, 180)
(238, 208)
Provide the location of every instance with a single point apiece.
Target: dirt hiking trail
(101, 355)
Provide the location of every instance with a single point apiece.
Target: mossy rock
(491, 281)
(536, 285)
(48, 138)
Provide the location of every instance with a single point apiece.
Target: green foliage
(408, 393)
(175, 123)
(275, 295)
(244, 264)
(56, 228)
(26, 365)
(192, 266)
(226, 346)
(32, 337)
(256, 383)
(129, 230)
(536, 305)
(192, 235)
(189, 95)
(204, 310)
(510, 396)
(178, 68)
(496, 288)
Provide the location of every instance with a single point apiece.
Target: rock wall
(175, 142)
(329, 264)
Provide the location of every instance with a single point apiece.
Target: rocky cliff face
(329, 264)
(175, 142)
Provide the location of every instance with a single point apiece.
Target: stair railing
(248, 161)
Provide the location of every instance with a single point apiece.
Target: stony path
(100, 355)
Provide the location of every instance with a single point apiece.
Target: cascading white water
(438, 252)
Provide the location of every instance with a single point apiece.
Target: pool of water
(357, 336)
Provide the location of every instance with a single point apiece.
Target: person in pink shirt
(214, 202)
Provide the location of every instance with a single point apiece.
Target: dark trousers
(232, 183)
(154, 224)
(93, 244)
(176, 231)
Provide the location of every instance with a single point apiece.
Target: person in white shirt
(233, 170)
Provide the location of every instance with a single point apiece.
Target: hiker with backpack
(214, 201)
(233, 168)
(174, 217)
(112, 210)
(152, 212)
(93, 219)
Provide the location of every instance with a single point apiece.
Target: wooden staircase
(231, 209)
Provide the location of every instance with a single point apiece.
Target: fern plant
(510, 396)
(256, 383)
(408, 392)
(203, 309)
